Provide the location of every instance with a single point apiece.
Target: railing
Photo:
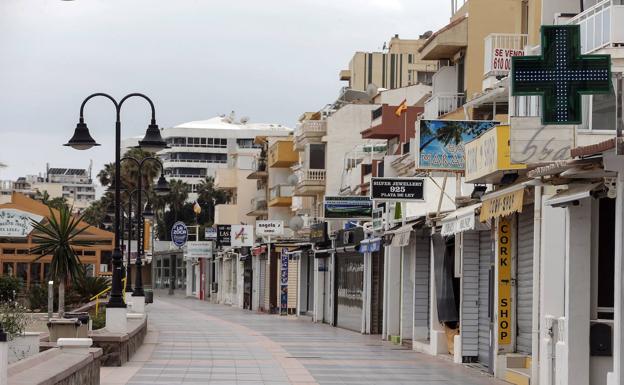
(195, 161)
(172, 145)
(311, 175)
(499, 49)
(96, 297)
(312, 127)
(601, 26)
(258, 204)
(281, 191)
(441, 104)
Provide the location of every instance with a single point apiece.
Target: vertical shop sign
(284, 282)
(504, 282)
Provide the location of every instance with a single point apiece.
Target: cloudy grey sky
(266, 59)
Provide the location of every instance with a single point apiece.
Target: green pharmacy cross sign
(561, 75)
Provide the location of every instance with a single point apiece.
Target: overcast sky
(269, 60)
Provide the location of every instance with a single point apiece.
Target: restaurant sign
(17, 223)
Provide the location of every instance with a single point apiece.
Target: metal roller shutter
(350, 285)
(469, 327)
(525, 280)
(261, 284)
(421, 282)
(485, 263)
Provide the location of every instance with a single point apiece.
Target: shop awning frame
(460, 220)
(574, 193)
(505, 201)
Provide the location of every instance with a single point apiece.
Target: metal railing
(443, 103)
(195, 161)
(601, 26)
(97, 297)
(499, 49)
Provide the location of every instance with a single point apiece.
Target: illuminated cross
(561, 75)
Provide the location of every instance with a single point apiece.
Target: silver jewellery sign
(17, 223)
(397, 189)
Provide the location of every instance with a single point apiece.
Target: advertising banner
(348, 207)
(504, 282)
(210, 234)
(269, 228)
(397, 189)
(224, 237)
(242, 236)
(16, 223)
(441, 143)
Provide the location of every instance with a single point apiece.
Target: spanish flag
(401, 108)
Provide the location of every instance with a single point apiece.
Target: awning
(370, 245)
(574, 192)
(503, 202)
(460, 220)
(400, 236)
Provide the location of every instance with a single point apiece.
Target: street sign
(242, 236)
(210, 234)
(179, 234)
(348, 207)
(397, 189)
(269, 228)
(561, 74)
(223, 235)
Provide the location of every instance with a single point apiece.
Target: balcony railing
(601, 26)
(441, 104)
(258, 205)
(281, 191)
(499, 49)
(311, 175)
(314, 127)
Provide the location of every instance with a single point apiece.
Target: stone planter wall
(119, 348)
(24, 346)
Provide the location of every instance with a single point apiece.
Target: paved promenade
(194, 342)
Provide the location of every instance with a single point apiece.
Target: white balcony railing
(441, 104)
(499, 49)
(311, 175)
(601, 26)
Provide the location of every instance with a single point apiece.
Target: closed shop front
(486, 274)
(262, 265)
(524, 280)
(349, 290)
(377, 286)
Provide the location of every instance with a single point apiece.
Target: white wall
(445, 80)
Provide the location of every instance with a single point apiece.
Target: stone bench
(72, 363)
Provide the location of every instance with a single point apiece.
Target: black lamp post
(161, 188)
(152, 141)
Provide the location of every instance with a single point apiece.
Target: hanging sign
(179, 234)
(269, 228)
(199, 249)
(17, 223)
(224, 237)
(504, 282)
(397, 189)
(348, 207)
(242, 236)
(284, 282)
(561, 74)
(210, 234)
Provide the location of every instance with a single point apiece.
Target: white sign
(210, 233)
(199, 249)
(242, 235)
(17, 223)
(269, 228)
(460, 224)
(532, 142)
(501, 59)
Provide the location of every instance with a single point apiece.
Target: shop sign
(284, 282)
(502, 205)
(242, 236)
(199, 249)
(210, 234)
(224, 237)
(397, 189)
(504, 282)
(488, 156)
(441, 143)
(533, 142)
(348, 207)
(461, 224)
(318, 232)
(268, 228)
(501, 59)
(17, 223)
(179, 234)
(378, 219)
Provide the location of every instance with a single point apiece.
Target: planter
(23, 346)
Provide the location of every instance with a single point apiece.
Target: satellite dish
(244, 119)
(295, 223)
(292, 180)
(371, 90)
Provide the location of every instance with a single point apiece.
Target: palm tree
(59, 238)
(130, 171)
(209, 195)
(178, 194)
(106, 176)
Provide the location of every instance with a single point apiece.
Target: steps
(518, 369)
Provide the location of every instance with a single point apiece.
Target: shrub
(14, 319)
(99, 321)
(38, 297)
(86, 287)
(9, 288)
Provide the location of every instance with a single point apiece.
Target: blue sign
(284, 282)
(179, 234)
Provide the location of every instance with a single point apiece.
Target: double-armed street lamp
(152, 141)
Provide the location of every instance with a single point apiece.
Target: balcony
(499, 49)
(309, 131)
(310, 182)
(258, 205)
(226, 214)
(445, 43)
(226, 178)
(387, 125)
(601, 26)
(260, 169)
(282, 154)
(281, 196)
(442, 104)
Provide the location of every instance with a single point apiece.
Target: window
(35, 273)
(424, 77)
(22, 271)
(317, 156)
(410, 58)
(8, 268)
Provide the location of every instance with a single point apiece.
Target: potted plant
(15, 319)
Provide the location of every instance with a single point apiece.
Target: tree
(208, 195)
(107, 174)
(58, 237)
(178, 194)
(97, 211)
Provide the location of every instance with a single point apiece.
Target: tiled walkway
(194, 342)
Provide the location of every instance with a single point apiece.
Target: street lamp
(82, 140)
(161, 188)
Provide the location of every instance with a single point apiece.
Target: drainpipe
(537, 241)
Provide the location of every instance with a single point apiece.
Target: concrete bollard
(74, 345)
(116, 321)
(138, 304)
(4, 357)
